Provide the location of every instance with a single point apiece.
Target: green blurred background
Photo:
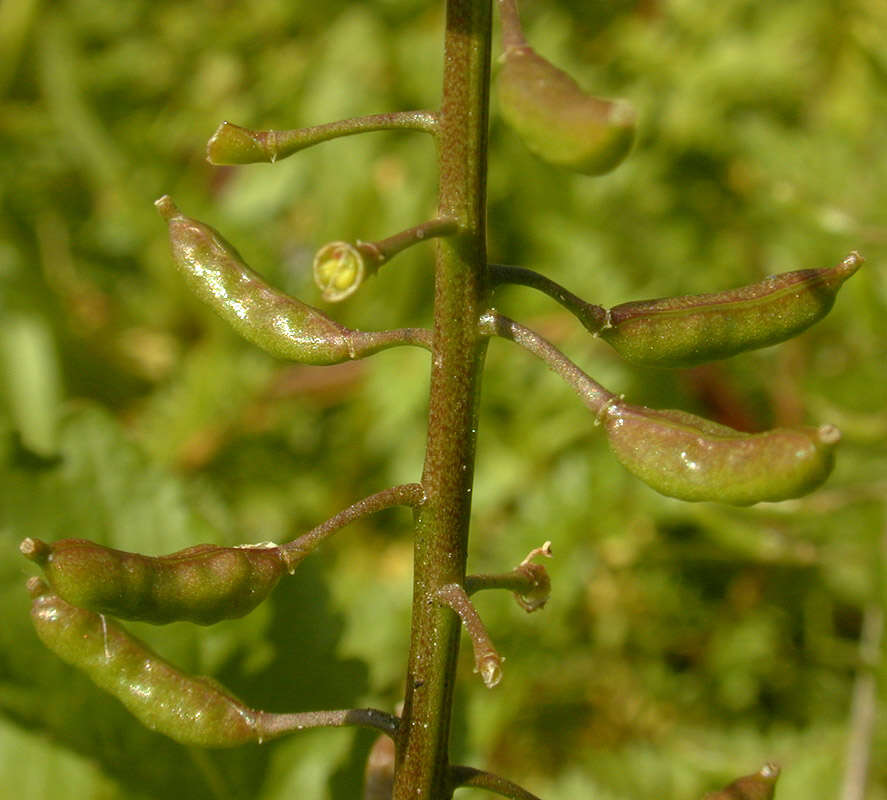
(683, 644)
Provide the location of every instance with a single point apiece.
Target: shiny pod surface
(279, 324)
(202, 584)
(557, 120)
(193, 711)
(684, 456)
(693, 329)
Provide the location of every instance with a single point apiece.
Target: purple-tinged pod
(759, 786)
(193, 711)
(279, 324)
(693, 329)
(684, 456)
(201, 584)
(558, 121)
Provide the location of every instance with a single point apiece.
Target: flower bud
(338, 270)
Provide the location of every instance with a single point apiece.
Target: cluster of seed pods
(676, 453)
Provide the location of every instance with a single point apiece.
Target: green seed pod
(559, 122)
(193, 711)
(202, 584)
(683, 331)
(759, 786)
(684, 456)
(279, 324)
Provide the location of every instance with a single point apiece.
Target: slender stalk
(385, 249)
(469, 776)
(512, 34)
(515, 581)
(592, 316)
(274, 725)
(487, 660)
(863, 714)
(408, 494)
(366, 343)
(592, 394)
(378, 780)
(458, 349)
(231, 144)
(528, 581)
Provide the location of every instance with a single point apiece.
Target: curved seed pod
(759, 786)
(279, 324)
(202, 584)
(559, 122)
(193, 711)
(684, 456)
(693, 329)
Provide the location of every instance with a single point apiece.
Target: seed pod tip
(828, 434)
(35, 549)
(167, 207)
(853, 262)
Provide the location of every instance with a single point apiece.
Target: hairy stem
(458, 349)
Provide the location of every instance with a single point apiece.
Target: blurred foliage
(684, 644)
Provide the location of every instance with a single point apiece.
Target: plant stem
(458, 349)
